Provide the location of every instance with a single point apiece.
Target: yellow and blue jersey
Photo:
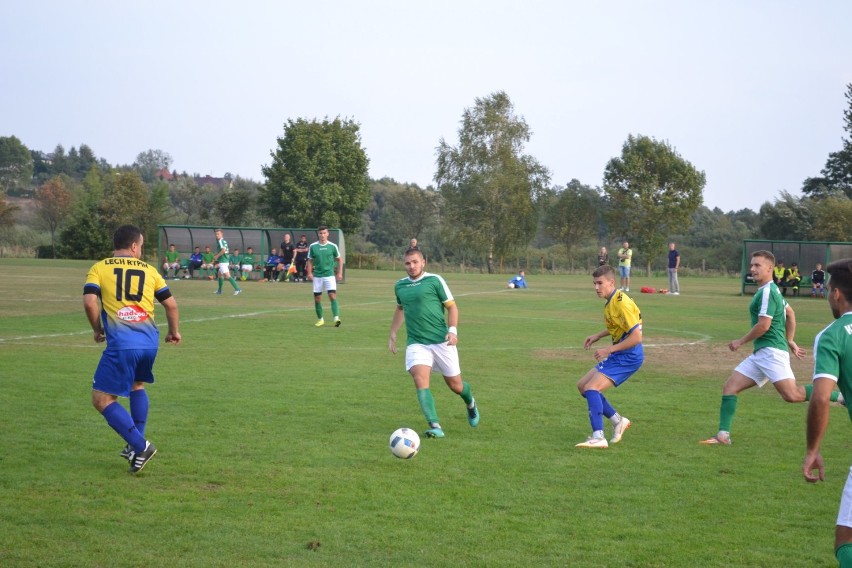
(127, 288)
(621, 315)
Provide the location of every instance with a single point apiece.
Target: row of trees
(491, 201)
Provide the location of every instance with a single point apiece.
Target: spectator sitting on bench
(791, 279)
(778, 273)
(247, 264)
(207, 263)
(235, 262)
(195, 262)
(272, 262)
(171, 262)
(818, 281)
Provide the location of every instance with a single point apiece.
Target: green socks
(318, 309)
(427, 404)
(466, 395)
(221, 282)
(844, 555)
(809, 389)
(233, 283)
(335, 311)
(726, 413)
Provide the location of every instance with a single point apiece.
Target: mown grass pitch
(273, 436)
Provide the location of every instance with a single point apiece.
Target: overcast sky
(752, 93)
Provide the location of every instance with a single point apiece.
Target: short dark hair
(413, 251)
(605, 270)
(840, 272)
(767, 255)
(322, 228)
(125, 236)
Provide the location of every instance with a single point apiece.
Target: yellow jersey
(127, 288)
(621, 315)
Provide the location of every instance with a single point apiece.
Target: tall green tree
(490, 188)
(234, 205)
(125, 201)
(84, 236)
(788, 218)
(158, 212)
(572, 215)
(837, 173)
(399, 212)
(652, 193)
(832, 218)
(318, 175)
(16, 165)
(194, 204)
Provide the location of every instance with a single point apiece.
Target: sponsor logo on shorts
(132, 314)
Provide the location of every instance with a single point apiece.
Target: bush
(45, 251)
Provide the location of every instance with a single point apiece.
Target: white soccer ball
(511, 284)
(404, 443)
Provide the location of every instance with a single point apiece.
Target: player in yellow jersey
(118, 299)
(616, 362)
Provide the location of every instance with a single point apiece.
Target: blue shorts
(119, 369)
(621, 365)
(624, 271)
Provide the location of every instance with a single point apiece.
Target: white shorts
(223, 268)
(844, 515)
(171, 265)
(327, 283)
(439, 356)
(247, 268)
(767, 364)
(205, 266)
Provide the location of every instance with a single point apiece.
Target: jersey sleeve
(826, 356)
(93, 283)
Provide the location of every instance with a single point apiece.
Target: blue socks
(139, 409)
(119, 419)
(596, 404)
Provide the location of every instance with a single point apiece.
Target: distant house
(164, 174)
(219, 183)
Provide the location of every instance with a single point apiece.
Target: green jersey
(768, 302)
(172, 256)
(222, 246)
(833, 355)
(323, 258)
(207, 257)
(423, 302)
(248, 259)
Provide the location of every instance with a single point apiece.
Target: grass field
(273, 436)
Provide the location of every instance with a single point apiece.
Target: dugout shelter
(805, 253)
(261, 239)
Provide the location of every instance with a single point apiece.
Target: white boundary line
(702, 338)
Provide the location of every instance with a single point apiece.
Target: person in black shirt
(818, 282)
(301, 258)
(287, 252)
